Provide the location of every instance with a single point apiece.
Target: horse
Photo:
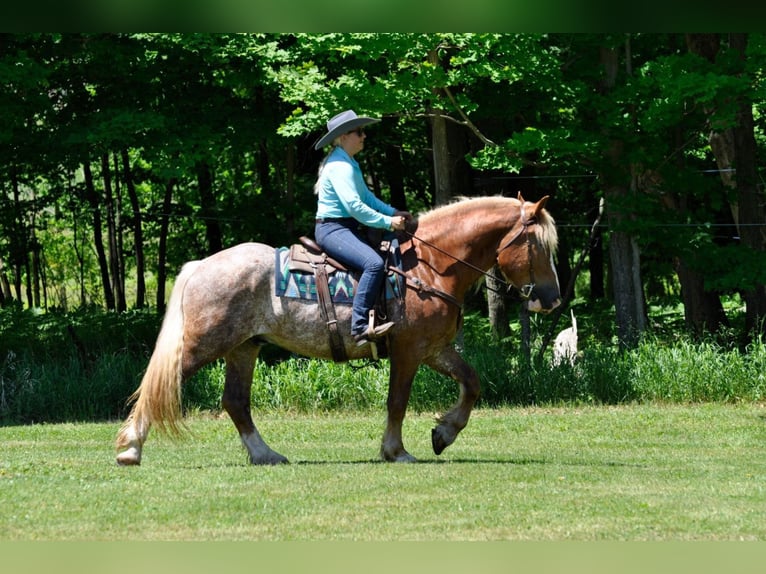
(225, 306)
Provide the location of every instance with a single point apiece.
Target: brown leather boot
(373, 333)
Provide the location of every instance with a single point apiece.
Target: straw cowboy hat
(343, 123)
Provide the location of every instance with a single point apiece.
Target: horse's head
(525, 256)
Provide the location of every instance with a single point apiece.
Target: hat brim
(344, 128)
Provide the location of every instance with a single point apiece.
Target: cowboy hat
(343, 123)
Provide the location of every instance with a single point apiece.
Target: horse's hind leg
(131, 439)
(240, 363)
(449, 362)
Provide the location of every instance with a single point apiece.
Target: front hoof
(438, 441)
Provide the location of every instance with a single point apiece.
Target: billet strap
(327, 308)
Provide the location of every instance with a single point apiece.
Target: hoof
(438, 442)
(271, 460)
(129, 457)
(403, 456)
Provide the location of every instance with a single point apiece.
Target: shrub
(83, 366)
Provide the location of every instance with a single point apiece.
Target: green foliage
(71, 366)
(83, 366)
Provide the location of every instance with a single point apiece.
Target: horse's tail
(158, 398)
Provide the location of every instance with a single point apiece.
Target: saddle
(308, 257)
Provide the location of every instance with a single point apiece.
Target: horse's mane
(462, 206)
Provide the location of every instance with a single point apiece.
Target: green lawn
(594, 473)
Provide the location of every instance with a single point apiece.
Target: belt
(333, 219)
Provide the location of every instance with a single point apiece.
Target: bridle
(525, 291)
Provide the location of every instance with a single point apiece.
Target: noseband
(524, 290)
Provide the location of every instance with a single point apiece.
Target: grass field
(637, 472)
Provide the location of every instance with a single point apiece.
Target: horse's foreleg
(399, 388)
(449, 362)
(240, 363)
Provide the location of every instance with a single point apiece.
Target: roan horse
(225, 306)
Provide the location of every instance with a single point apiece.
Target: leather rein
(525, 290)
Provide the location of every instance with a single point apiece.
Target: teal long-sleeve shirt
(343, 193)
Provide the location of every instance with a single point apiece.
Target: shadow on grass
(521, 462)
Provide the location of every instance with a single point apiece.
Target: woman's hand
(398, 222)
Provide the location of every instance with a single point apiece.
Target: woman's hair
(335, 143)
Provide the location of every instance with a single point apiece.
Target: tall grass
(83, 366)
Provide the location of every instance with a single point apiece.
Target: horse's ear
(540, 204)
(521, 199)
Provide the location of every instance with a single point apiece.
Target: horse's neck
(474, 241)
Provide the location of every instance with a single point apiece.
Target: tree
(732, 140)
(153, 149)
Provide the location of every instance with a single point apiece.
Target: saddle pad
(300, 285)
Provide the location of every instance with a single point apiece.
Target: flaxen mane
(462, 206)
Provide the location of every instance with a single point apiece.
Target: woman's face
(353, 141)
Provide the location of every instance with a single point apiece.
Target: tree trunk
(751, 199)
(440, 148)
(36, 270)
(735, 150)
(630, 307)
(162, 250)
(290, 188)
(629, 302)
(703, 311)
(118, 285)
(5, 287)
(18, 240)
(98, 242)
(80, 257)
(208, 210)
(394, 170)
(138, 232)
(596, 266)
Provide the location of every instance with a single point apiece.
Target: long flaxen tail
(158, 398)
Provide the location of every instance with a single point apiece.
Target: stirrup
(373, 332)
(376, 332)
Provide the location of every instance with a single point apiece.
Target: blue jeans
(339, 240)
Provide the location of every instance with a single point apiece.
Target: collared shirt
(343, 193)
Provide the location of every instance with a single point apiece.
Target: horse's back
(227, 297)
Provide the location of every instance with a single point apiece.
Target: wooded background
(125, 155)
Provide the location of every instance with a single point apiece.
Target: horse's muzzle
(536, 306)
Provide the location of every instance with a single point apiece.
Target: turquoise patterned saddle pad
(302, 285)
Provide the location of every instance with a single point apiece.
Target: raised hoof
(437, 442)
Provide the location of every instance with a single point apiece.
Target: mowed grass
(638, 472)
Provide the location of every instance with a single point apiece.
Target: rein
(524, 290)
